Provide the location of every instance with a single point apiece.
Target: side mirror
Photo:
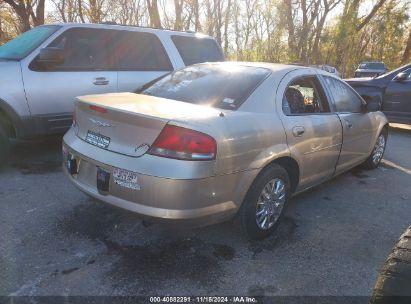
(51, 56)
(401, 77)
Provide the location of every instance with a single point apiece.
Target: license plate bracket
(125, 178)
(97, 139)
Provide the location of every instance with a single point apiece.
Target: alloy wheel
(270, 203)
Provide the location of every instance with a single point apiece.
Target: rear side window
(139, 51)
(220, 86)
(85, 49)
(196, 50)
(345, 99)
(305, 95)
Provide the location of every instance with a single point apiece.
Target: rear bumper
(195, 202)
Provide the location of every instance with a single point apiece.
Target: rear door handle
(101, 81)
(298, 131)
(348, 123)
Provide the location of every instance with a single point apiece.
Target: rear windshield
(197, 50)
(219, 86)
(21, 46)
(372, 65)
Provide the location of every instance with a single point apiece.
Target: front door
(313, 131)
(358, 127)
(397, 100)
(51, 91)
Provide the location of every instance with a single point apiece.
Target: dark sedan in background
(391, 92)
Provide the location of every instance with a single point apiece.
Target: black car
(390, 91)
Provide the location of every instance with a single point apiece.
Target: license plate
(125, 178)
(98, 139)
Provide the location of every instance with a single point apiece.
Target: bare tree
(152, 7)
(29, 12)
(372, 13)
(407, 52)
(178, 7)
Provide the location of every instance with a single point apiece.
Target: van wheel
(377, 153)
(265, 202)
(395, 277)
(4, 145)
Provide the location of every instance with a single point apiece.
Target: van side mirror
(401, 77)
(51, 56)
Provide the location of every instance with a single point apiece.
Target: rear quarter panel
(247, 139)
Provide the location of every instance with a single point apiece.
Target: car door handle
(101, 81)
(298, 131)
(349, 124)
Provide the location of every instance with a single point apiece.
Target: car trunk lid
(129, 123)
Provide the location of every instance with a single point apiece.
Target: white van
(44, 69)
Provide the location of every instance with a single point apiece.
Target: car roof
(273, 67)
(114, 26)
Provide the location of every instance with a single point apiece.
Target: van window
(196, 50)
(21, 46)
(85, 49)
(139, 51)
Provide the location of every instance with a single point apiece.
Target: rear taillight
(181, 143)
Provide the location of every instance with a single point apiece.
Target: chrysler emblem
(100, 123)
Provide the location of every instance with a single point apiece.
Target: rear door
(313, 130)
(358, 127)
(397, 99)
(51, 91)
(139, 57)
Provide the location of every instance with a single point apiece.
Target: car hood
(365, 81)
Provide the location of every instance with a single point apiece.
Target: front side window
(196, 50)
(222, 86)
(21, 46)
(304, 96)
(139, 51)
(85, 49)
(345, 99)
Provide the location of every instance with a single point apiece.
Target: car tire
(265, 202)
(4, 145)
(377, 153)
(394, 279)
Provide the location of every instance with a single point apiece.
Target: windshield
(22, 45)
(395, 72)
(372, 65)
(223, 86)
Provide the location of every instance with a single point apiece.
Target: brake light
(98, 109)
(181, 143)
